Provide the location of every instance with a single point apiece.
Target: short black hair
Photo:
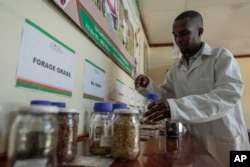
(193, 15)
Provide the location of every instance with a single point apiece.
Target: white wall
(49, 17)
(159, 60)
(244, 67)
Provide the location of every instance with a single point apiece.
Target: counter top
(161, 151)
(184, 151)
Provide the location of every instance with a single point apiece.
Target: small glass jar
(33, 137)
(8, 113)
(172, 129)
(100, 132)
(68, 119)
(151, 97)
(126, 138)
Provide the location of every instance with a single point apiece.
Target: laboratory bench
(160, 151)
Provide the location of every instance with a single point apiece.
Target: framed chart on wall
(113, 25)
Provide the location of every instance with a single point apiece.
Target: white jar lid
(68, 110)
(36, 109)
(126, 111)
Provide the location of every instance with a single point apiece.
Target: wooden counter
(184, 151)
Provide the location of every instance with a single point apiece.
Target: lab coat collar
(206, 51)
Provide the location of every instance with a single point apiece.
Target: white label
(106, 141)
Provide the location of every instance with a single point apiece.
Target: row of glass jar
(43, 134)
(114, 131)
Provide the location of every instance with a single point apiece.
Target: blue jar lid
(153, 96)
(120, 106)
(59, 104)
(103, 107)
(40, 102)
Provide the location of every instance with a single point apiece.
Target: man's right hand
(141, 81)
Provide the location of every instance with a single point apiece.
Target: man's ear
(200, 31)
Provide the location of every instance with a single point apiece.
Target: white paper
(132, 97)
(94, 80)
(121, 92)
(43, 60)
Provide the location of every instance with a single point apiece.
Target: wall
(244, 67)
(49, 17)
(160, 59)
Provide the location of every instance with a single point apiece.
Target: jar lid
(36, 109)
(153, 96)
(68, 110)
(103, 107)
(59, 104)
(40, 102)
(119, 105)
(126, 111)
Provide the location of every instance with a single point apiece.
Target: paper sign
(121, 91)
(94, 82)
(45, 63)
(131, 97)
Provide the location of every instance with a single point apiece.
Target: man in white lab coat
(202, 90)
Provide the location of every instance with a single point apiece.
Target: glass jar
(68, 119)
(33, 137)
(7, 115)
(126, 139)
(100, 132)
(150, 98)
(172, 129)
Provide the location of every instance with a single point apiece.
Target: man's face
(186, 35)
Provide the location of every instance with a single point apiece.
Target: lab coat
(206, 99)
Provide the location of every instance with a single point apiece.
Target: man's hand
(141, 81)
(157, 110)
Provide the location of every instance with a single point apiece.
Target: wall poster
(113, 25)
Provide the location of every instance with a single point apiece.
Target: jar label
(100, 131)
(106, 141)
(31, 163)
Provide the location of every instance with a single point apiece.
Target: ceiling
(226, 22)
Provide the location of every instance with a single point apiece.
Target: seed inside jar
(125, 139)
